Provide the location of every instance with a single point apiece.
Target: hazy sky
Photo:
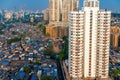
(113, 5)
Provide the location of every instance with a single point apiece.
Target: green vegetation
(116, 15)
(117, 49)
(23, 35)
(63, 54)
(6, 25)
(49, 52)
(65, 50)
(16, 39)
(14, 32)
(10, 26)
(50, 47)
(1, 32)
(37, 63)
(37, 78)
(46, 78)
(42, 28)
(2, 26)
(115, 73)
(46, 22)
(27, 69)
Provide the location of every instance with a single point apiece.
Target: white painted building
(89, 41)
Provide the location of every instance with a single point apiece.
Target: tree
(46, 78)
(65, 48)
(15, 39)
(1, 32)
(23, 35)
(42, 28)
(37, 78)
(37, 63)
(47, 34)
(61, 54)
(115, 73)
(27, 69)
(49, 52)
(14, 32)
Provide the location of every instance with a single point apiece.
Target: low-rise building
(56, 31)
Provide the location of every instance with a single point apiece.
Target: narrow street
(59, 68)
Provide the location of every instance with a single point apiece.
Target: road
(59, 68)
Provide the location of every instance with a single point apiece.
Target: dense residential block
(56, 31)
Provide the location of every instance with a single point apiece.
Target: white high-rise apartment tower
(89, 41)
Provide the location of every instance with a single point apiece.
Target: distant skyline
(43, 4)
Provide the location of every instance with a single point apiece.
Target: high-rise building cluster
(69, 5)
(115, 36)
(55, 7)
(89, 41)
(57, 15)
(89, 37)
(59, 9)
(46, 14)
